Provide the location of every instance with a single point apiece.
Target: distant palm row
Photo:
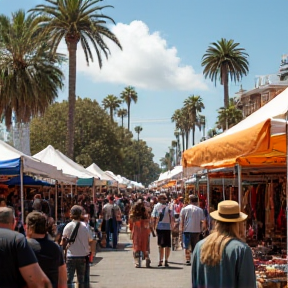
(222, 60)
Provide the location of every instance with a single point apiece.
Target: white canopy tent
(54, 157)
(18, 163)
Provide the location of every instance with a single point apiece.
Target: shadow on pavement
(96, 260)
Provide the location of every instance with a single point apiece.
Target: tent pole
(56, 201)
(22, 190)
(240, 196)
(93, 191)
(208, 191)
(223, 187)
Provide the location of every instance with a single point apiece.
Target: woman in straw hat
(222, 259)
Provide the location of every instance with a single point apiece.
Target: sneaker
(188, 263)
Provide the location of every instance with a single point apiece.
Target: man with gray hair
(18, 264)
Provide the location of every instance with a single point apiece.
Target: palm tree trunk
(128, 106)
(226, 88)
(122, 120)
(193, 134)
(183, 143)
(111, 114)
(71, 99)
(187, 139)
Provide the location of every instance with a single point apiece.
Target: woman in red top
(139, 224)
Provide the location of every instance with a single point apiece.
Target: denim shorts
(190, 240)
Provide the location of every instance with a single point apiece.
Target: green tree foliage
(96, 140)
(231, 116)
(129, 95)
(76, 21)
(194, 105)
(223, 59)
(29, 74)
(111, 102)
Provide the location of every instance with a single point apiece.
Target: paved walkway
(115, 268)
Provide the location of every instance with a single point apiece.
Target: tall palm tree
(29, 74)
(223, 59)
(76, 21)
(194, 104)
(111, 102)
(128, 95)
(138, 129)
(122, 113)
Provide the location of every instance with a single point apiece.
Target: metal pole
(208, 192)
(56, 201)
(240, 194)
(223, 187)
(22, 190)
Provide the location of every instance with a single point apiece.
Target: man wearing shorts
(163, 214)
(192, 221)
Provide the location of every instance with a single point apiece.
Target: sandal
(160, 263)
(136, 265)
(148, 261)
(166, 263)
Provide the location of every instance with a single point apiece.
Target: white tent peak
(56, 158)
(95, 169)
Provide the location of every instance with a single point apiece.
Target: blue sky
(163, 43)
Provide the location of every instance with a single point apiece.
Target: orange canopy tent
(258, 140)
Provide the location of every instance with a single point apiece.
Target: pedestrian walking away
(222, 259)
(78, 251)
(48, 253)
(192, 222)
(162, 214)
(18, 263)
(139, 224)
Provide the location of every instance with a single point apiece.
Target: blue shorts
(190, 240)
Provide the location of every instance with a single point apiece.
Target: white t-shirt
(164, 214)
(81, 246)
(191, 217)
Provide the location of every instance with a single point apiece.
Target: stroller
(175, 232)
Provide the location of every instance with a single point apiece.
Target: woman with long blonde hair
(223, 260)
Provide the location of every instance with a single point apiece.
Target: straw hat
(228, 211)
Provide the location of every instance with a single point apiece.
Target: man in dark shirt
(18, 264)
(48, 253)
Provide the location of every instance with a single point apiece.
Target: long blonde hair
(214, 244)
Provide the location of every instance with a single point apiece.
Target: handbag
(66, 242)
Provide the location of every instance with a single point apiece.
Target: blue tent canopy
(27, 180)
(10, 167)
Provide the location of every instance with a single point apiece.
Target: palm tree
(76, 21)
(29, 74)
(122, 113)
(128, 95)
(230, 116)
(111, 102)
(138, 129)
(224, 58)
(180, 123)
(194, 104)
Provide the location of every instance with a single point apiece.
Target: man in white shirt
(78, 251)
(192, 221)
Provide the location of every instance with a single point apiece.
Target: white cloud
(145, 62)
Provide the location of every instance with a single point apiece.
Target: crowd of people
(44, 254)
